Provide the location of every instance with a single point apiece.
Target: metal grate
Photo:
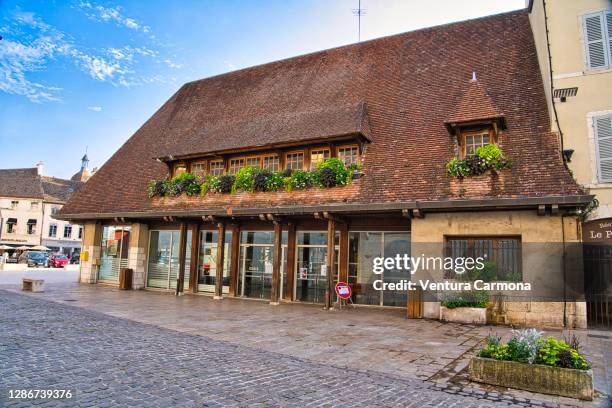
(563, 93)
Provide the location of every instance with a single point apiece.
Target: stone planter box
(566, 382)
(469, 315)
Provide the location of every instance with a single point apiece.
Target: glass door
(115, 249)
(311, 267)
(255, 263)
(207, 261)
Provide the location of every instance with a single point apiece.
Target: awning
(11, 221)
(31, 221)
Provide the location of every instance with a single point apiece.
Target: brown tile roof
(410, 83)
(20, 183)
(271, 129)
(475, 104)
(26, 183)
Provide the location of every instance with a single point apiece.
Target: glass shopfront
(114, 256)
(255, 263)
(163, 258)
(363, 248)
(207, 261)
(311, 266)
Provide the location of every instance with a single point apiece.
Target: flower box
(566, 382)
(469, 315)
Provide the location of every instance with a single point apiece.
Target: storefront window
(363, 248)
(256, 262)
(502, 257)
(311, 268)
(115, 248)
(207, 261)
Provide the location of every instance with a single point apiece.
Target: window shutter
(603, 132)
(595, 41)
(608, 18)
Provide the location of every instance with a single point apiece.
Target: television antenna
(359, 12)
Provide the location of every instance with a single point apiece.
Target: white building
(28, 202)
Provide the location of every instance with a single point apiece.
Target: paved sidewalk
(374, 343)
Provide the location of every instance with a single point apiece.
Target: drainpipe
(564, 266)
(552, 87)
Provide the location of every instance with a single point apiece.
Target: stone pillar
(137, 254)
(90, 249)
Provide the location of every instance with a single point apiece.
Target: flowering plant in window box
(488, 157)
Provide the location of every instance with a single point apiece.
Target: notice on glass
(268, 268)
(303, 273)
(323, 270)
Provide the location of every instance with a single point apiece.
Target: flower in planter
(225, 184)
(260, 181)
(275, 182)
(245, 179)
(157, 188)
(327, 178)
(488, 157)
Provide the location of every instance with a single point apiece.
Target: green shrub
(327, 178)
(275, 182)
(558, 353)
(245, 179)
(301, 179)
(157, 188)
(457, 168)
(477, 298)
(214, 184)
(226, 183)
(342, 174)
(183, 183)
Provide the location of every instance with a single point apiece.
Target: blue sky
(86, 74)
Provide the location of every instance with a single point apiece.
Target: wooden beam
(180, 276)
(331, 253)
(195, 250)
(343, 253)
(291, 240)
(234, 260)
(276, 264)
(220, 256)
(418, 213)
(329, 216)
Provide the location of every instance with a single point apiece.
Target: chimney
(40, 166)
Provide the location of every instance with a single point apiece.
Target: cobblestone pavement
(116, 362)
(111, 361)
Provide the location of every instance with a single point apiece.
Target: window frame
(214, 172)
(317, 150)
(196, 163)
(177, 166)
(271, 156)
(349, 146)
(294, 152)
(494, 239)
(234, 159)
(598, 160)
(463, 135)
(52, 228)
(247, 158)
(606, 39)
(67, 228)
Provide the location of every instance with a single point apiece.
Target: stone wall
(137, 256)
(92, 236)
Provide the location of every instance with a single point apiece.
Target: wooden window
(217, 167)
(253, 161)
(179, 168)
(198, 169)
(235, 165)
(348, 154)
(317, 156)
(603, 137)
(470, 141)
(597, 28)
(502, 257)
(271, 163)
(294, 160)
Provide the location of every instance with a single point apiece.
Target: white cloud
(34, 44)
(101, 13)
(95, 108)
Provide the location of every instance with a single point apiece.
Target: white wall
(23, 211)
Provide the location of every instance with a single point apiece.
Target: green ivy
(488, 157)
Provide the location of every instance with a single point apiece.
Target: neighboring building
(574, 43)
(401, 106)
(28, 202)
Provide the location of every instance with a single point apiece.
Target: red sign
(343, 290)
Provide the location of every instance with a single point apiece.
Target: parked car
(75, 258)
(58, 260)
(34, 258)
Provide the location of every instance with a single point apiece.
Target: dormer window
(317, 156)
(235, 165)
(271, 163)
(179, 168)
(217, 167)
(470, 141)
(348, 154)
(198, 169)
(294, 161)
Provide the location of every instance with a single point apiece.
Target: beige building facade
(574, 44)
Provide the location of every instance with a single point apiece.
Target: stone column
(92, 238)
(137, 255)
